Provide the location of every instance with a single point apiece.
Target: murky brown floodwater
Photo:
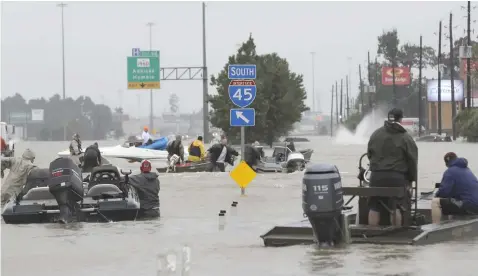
(189, 207)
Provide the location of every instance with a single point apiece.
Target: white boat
(131, 153)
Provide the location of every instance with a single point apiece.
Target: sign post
(242, 92)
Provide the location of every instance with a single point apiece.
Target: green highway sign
(143, 71)
(149, 53)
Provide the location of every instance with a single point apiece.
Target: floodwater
(189, 207)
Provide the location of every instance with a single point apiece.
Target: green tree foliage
(279, 102)
(83, 116)
(467, 124)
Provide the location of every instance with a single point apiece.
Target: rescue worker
(220, 154)
(91, 157)
(196, 150)
(176, 147)
(393, 157)
(147, 187)
(145, 135)
(252, 155)
(76, 149)
(458, 191)
(20, 168)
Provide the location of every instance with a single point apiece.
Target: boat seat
(38, 193)
(100, 189)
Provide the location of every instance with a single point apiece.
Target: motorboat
(333, 221)
(133, 151)
(283, 160)
(59, 194)
(174, 167)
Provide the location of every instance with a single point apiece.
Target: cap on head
(256, 144)
(449, 157)
(95, 144)
(395, 115)
(200, 138)
(145, 166)
(28, 154)
(76, 136)
(145, 128)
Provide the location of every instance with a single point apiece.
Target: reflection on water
(189, 207)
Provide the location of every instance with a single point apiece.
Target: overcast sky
(99, 36)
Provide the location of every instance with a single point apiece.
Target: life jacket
(194, 149)
(4, 145)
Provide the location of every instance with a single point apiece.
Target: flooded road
(189, 207)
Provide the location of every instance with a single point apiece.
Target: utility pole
(347, 94)
(361, 90)
(452, 80)
(332, 112)
(468, 60)
(205, 95)
(138, 98)
(341, 97)
(62, 6)
(313, 81)
(394, 91)
(439, 79)
(336, 103)
(151, 121)
(420, 115)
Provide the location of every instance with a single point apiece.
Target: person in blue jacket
(458, 192)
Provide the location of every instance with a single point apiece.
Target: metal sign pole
(243, 145)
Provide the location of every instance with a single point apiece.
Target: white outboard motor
(172, 163)
(322, 203)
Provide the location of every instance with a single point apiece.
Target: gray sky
(99, 36)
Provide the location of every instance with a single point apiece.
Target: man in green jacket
(393, 157)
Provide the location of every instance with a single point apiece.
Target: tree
(174, 103)
(279, 102)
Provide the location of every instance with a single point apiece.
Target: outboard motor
(322, 202)
(66, 185)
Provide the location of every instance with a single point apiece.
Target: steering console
(364, 173)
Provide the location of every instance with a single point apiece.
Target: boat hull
(189, 167)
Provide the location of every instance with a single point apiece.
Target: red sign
(402, 76)
(473, 65)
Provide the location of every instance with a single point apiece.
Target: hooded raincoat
(20, 168)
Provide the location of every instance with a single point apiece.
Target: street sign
(242, 117)
(149, 53)
(143, 72)
(242, 71)
(242, 92)
(136, 52)
(243, 175)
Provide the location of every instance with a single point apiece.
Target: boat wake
(364, 129)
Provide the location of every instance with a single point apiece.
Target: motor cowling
(322, 201)
(66, 185)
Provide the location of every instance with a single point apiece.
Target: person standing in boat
(393, 157)
(252, 155)
(146, 136)
(20, 168)
(92, 157)
(147, 186)
(458, 191)
(75, 149)
(220, 154)
(176, 148)
(196, 150)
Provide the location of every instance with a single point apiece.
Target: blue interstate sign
(242, 71)
(242, 92)
(136, 52)
(240, 117)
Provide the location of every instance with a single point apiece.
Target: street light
(62, 6)
(151, 124)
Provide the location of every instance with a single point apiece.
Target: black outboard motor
(66, 185)
(322, 202)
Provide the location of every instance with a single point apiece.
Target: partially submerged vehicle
(332, 222)
(59, 194)
(284, 160)
(434, 138)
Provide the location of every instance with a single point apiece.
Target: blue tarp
(158, 144)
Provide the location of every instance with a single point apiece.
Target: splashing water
(364, 129)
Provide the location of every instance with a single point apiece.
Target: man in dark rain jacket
(393, 157)
(220, 154)
(91, 157)
(147, 186)
(252, 155)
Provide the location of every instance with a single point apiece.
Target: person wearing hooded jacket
(20, 168)
(147, 186)
(220, 154)
(176, 147)
(91, 157)
(458, 191)
(196, 150)
(393, 157)
(252, 154)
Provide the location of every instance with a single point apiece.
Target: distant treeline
(92, 121)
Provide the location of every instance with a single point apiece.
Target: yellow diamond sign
(243, 174)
